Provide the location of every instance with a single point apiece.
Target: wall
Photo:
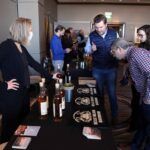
(132, 15)
(32, 13)
(37, 12)
(51, 13)
(47, 12)
(51, 9)
(8, 13)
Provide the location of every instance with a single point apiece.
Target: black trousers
(14, 105)
(135, 106)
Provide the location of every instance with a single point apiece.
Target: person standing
(104, 65)
(143, 34)
(139, 67)
(81, 43)
(56, 48)
(14, 62)
(67, 45)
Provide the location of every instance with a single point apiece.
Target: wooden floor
(121, 136)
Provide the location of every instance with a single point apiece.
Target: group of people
(65, 46)
(106, 49)
(139, 67)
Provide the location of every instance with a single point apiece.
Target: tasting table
(67, 134)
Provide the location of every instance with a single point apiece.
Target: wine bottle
(42, 102)
(59, 72)
(62, 94)
(68, 75)
(46, 93)
(57, 104)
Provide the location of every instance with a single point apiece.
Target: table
(65, 135)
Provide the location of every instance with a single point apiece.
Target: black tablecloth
(66, 135)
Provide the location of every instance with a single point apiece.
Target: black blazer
(13, 66)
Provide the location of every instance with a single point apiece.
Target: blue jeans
(56, 63)
(107, 77)
(143, 132)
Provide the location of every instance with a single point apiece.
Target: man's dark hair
(99, 18)
(59, 28)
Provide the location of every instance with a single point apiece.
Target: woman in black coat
(14, 62)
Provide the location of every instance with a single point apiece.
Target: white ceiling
(106, 1)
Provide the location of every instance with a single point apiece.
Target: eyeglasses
(112, 51)
(140, 35)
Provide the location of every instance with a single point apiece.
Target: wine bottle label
(65, 79)
(69, 79)
(60, 110)
(63, 102)
(43, 107)
(54, 111)
(47, 102)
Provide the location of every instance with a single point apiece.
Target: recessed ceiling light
(120, 0)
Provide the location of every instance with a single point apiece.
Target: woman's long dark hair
(146, 29)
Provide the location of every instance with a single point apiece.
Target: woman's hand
(12, 85)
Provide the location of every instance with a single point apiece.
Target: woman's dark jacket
(14, 65)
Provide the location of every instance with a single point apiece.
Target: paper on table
(91, 133)
(27, 130)
(21, 142)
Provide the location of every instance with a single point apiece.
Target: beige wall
(133, 16)
(8, 13)
(37, 10)
(33, 14)
(51, 9)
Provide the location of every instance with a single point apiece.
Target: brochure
(91, 133)
(27, 130)
(90, 81)
(21, 142)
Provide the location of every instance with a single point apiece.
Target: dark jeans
(107, 77)
(143, 132)
(15, 105)
(135, 104)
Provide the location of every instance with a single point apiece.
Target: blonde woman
(14, 62)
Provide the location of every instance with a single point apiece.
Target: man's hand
(12, 85)
(57, 76)
(68, 50)
(94, 48)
